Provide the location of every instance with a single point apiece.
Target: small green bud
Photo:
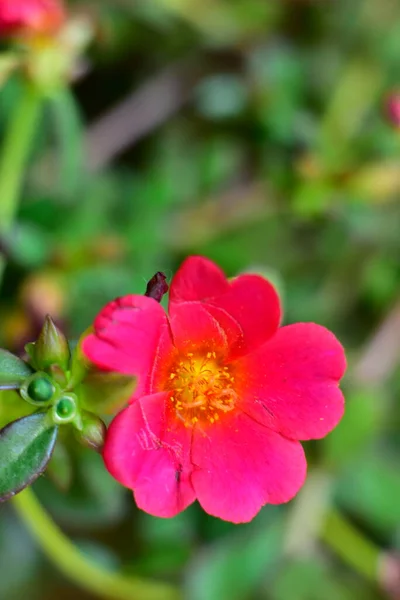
(93, 431)
(66, 409)
(51, 347)
(38, 390)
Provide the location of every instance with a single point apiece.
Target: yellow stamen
(202, 388)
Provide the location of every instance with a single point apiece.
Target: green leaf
(13, 370)
(16, 548)
(8, 63)
(13, 407)
(67, 125)
(106, 393)
(26, 447)
(60, 468)
(28, 245)
(94, 499)
(233, 569)
(303, 578)
(359, 427)
(370, 489)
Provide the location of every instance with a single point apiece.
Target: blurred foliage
(264, 145)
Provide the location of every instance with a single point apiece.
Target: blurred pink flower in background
(30, 17)
(393, 108)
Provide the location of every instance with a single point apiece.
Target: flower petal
(241, 465)
(291, 383)
(253, 303)
(248, 304)
(130, 333)
(149, 453)
(193, 327)
(198, 278)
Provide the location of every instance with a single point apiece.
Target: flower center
(202, 388)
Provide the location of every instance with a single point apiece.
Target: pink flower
(30, 17)
(393, 108)
(223, 394)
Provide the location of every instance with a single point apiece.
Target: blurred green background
(253, 132)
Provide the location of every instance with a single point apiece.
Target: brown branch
(381, 354)
(141, 112)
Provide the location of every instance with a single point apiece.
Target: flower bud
(25, 18)
(51, 347)
(38, 390)
(66, 409)
(93, 432)
(157, 287)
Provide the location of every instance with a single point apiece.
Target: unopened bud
(93, 432)
(51, 347)
(38, 390)
(66, 409)
(157, 287)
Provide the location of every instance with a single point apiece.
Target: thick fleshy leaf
(149, 453)
(13, 370)
(241, 465)
(26, 447)
(13, 407)
(291, 383)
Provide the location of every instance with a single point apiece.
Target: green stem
(14, 155)
(80, 568)
(352, 547)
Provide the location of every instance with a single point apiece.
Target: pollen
(202, 388)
